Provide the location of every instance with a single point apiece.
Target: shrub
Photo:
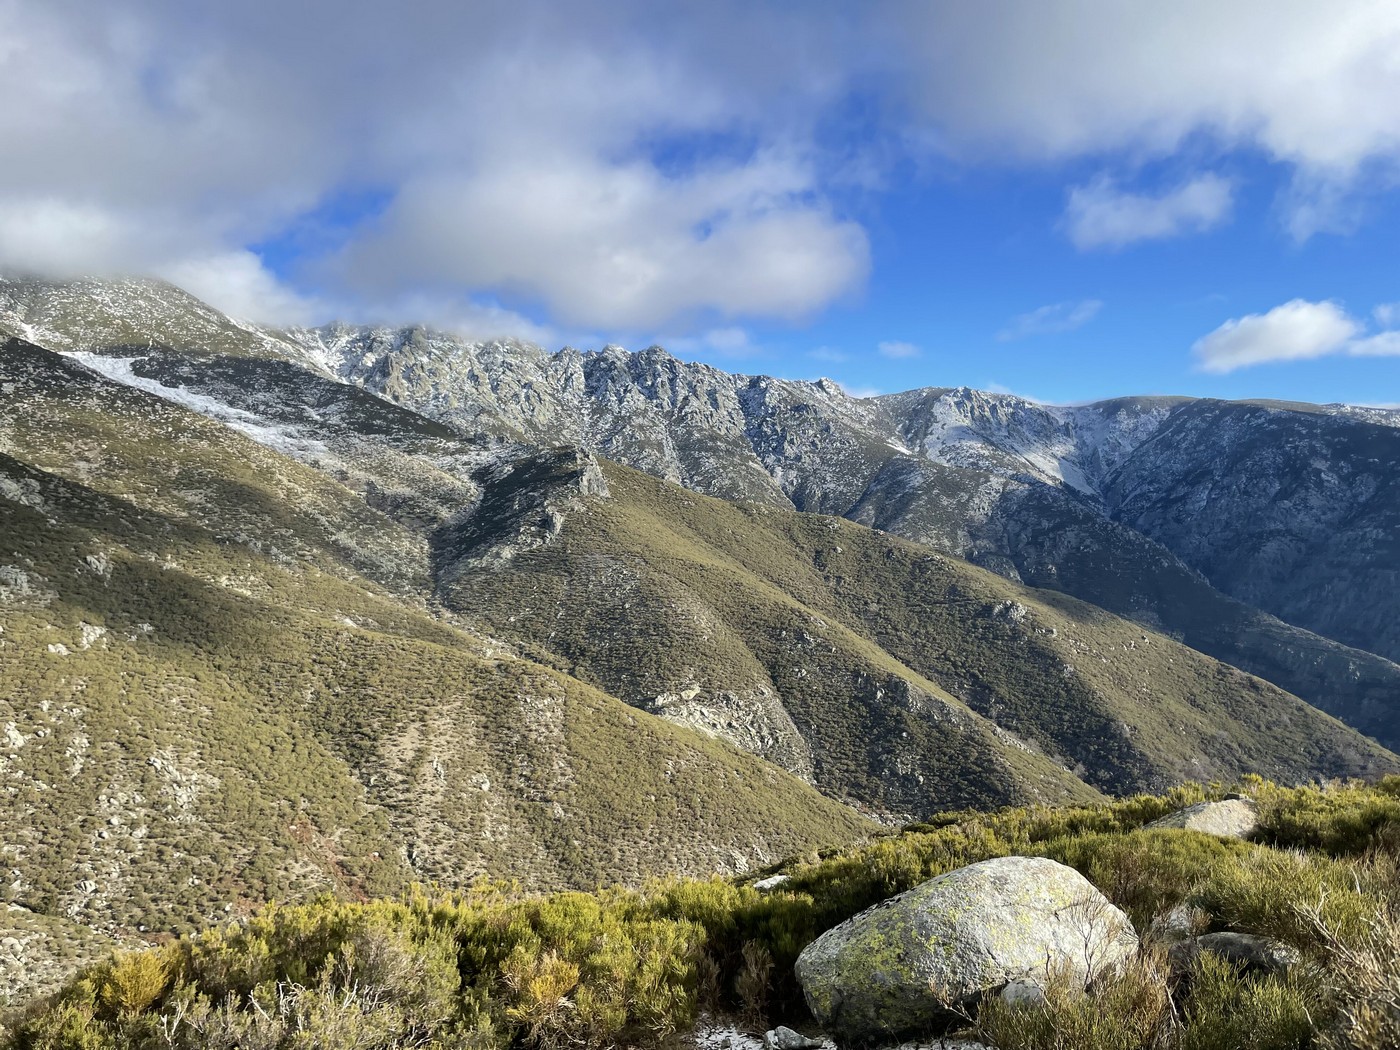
(1228, 1010)
(1271, 892)
(1127, 1011)
(1363, 977)
(134, 982)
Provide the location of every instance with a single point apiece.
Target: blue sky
(1067, 201)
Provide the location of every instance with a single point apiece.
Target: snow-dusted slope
(1091, 499)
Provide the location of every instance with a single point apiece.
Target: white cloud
(1382, 344)
(731, 341)
(858, 392)
(523, 149)
(621, 246)
(238, 284)
(897, 349)
(1100, 215)
(829, 354)
(1297, 330)
(994, 387)
(1302, 81)
(1387, 315)
(1052, 319)
(545, 154)
(461, 315)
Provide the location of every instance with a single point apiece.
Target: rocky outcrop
(1235, 817)
(912, 961)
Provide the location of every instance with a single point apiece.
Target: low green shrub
(1127, 1011)
(492, 968)
(1229, 1010)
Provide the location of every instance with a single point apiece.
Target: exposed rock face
(910, 961)
(1234, 818)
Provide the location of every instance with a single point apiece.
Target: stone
(1179, 924)
(771, 883)
(914, 961)
(1236, 817)
(782, 1038)
(1251, 951)
(1023, 992)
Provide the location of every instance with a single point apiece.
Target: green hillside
(884, 663)
(208, 702)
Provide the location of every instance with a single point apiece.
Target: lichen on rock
(916, 960)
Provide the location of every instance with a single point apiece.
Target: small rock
(1023, 993)
(1234, 818)
(1251, 951)
(1179, 924)
(771, 883)
(782, 1038)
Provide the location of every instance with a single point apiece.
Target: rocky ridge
(1277, 557)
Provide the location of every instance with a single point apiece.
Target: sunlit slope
(889, 673)
(219, 683)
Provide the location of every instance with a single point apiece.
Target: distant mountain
(347, 608)
(1046, 495)
(1075, 499)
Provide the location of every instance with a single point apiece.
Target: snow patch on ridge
(286, 440)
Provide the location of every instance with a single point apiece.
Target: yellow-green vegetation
(491, 968)
(907, 680)
(221, 682)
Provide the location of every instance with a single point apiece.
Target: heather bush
(493, 968)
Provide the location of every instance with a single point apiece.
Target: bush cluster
(492, 968)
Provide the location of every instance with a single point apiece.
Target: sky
(1065, 200)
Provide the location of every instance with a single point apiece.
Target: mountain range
(353, 607)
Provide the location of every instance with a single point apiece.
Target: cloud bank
(623, 166)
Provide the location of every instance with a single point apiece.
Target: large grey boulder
(911, 961)
(1234, 817)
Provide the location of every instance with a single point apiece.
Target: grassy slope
(232, 711)
(659, 592)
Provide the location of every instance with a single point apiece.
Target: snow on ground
(718, 1034)
(279, 438)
